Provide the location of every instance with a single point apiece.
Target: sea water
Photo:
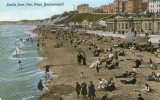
(18, 83)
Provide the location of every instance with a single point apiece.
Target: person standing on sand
(40, 86)
(47, 71)
(138, 63)
(84, 58)
(78, 89)
(84, 89)
(79, 57)
(98, 65)
(71, 41)
(132, 50)
(91, 93)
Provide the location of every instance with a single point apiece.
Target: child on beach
(132, 50)
(81, 75)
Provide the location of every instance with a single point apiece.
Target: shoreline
(63, 63)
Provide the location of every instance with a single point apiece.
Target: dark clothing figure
(109, 61)
(91, 93)
(78, 89)
(84, 89)
(97, 69)
(20, 63)
(150, 61)
(47, 71)
(140, 97)
(37, 44)
(105, 97)
(47, 68)
(138, 63)
(71, 41)
(40, 86)
(111, 66)
(96, 52)
(84, 58)
(110, 87)
(79, 57)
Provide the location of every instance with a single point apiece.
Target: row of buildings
(139, 25)
(123, 25)
(124, 6)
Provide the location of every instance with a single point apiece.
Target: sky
(15, 13)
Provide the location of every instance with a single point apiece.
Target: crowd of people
(85, 43)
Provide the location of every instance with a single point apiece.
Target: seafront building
(139, 25)
(124, 24)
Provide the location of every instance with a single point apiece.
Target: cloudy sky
(13, 13)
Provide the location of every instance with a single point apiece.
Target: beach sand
(63, 62)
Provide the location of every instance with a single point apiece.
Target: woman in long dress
(84, 89)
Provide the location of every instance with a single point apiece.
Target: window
(126, 25)
(119, 26)
(150, 26)
(145, 26)
(122, 25)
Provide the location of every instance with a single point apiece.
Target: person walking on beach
(40, 86)
(79, 57)
(71, 41)
(78, 89)
(97, 69)
(91, 93)
(84, 58)
(47, 71)
(20, 64)
(84, 89)
(132, 50)
(98, 65)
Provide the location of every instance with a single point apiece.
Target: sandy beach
(63, 62)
